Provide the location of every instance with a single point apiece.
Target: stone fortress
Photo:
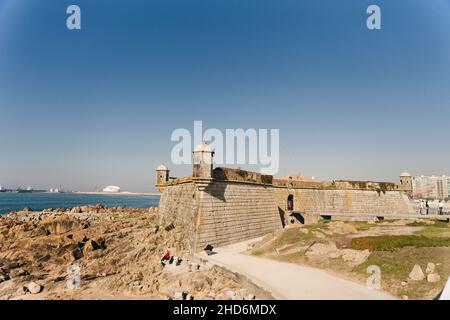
(222, 206)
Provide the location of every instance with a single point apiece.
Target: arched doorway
(290, 203)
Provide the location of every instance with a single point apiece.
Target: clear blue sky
(89, 108)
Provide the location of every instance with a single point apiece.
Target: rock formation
(93, 252)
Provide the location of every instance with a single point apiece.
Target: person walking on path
(422, 207)
(427, 207)
(441, 207)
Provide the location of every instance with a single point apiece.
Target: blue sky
(89, 108)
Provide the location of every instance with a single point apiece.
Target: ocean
(39, 201)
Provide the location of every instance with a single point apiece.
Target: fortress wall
(233, 212)
(178, 205)
(228, 212)
(345, 201)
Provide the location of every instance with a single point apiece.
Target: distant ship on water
(2, 189)
(56, 190)
(111, 189)
(27, 190)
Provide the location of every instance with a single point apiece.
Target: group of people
(168, 258)
(425, 207)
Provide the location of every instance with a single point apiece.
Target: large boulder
(75, 210)
(98, 243)
(330, 251)
(34, 288)
(199, 281)
(433, 277)
(95, 244)
(417, 274)
(61, 225)
(431, 267)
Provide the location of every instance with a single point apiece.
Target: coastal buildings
(431, 187)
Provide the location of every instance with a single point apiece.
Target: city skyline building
(431, 187)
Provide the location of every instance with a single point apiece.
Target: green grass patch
(295, 235)
(292, 257)
(290, 236)
(361, 225)
(439, 229)
(396, 265)
(438, 224)
(387, 243)
(388, 265)
(258, 252)
(434, 232)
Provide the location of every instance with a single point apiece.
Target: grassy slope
(394, 254)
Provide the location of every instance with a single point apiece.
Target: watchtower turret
(202, 159)
(202, 165)
(406, 182)
(162, 175)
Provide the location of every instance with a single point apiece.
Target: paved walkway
(446, 292)
(290, 281)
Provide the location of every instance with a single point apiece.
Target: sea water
(38, 201)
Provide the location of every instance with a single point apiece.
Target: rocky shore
(94, 252)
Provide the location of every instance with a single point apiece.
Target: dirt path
(290, 281)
